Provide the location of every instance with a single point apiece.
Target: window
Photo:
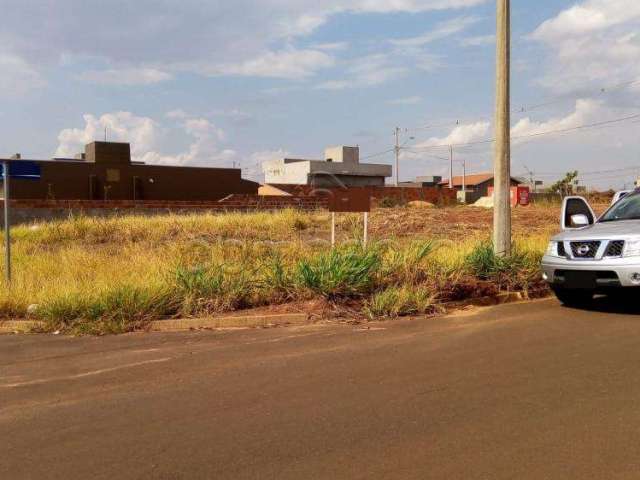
(113, 175)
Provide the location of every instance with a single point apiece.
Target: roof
(472, 180)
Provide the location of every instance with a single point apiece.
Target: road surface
(522, 391)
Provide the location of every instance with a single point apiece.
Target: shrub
(515, 271)
(390, 202)
(340, 273)
(121, 309)
(396, 302)
(205, 290)
(407, 265)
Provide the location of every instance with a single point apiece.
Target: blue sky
(221, 83)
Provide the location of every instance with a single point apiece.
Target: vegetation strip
(100, 276)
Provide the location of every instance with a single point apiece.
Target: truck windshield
(628, 208)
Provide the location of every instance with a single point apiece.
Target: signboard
(22, 169)
(351, 200)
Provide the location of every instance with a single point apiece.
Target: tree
(565, 186)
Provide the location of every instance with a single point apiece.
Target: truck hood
(619, 230)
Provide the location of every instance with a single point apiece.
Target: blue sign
(22, 169)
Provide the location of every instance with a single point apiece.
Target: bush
(118, 310)
(340, 273)
(407, 265)
(396, 302)
(390, 202)
(204, 290)
(515, 271)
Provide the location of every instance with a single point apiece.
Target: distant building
(105, 172)
(341, 167)
(478, 183)
(421, 182)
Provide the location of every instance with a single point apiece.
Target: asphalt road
(523, 391)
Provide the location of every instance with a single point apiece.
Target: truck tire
(574, 298)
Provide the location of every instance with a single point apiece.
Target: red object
(519, 195)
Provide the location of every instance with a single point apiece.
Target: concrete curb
(229, 322)
(20, 326)
(258, 321)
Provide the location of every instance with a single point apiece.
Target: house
(478, 183)
(421, 182)
(105, 171)
(341, 167)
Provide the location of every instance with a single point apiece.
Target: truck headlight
(552, 249)
(632, 248)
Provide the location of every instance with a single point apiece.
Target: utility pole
(397, 150)
(464, 175)
(450, 166)
(502, 155)
(7, 224)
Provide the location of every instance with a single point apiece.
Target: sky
(220, 83)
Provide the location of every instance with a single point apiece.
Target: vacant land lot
(113, 275)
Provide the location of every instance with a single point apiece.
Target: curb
(229, 322)
(262, 321)
(20, 326)
(500, 299)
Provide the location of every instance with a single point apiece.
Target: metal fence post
(7, 225)
(366, 228)
(333, 229)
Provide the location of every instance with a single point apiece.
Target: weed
(340, 273)
(396, 302)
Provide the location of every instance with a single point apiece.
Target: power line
(538, 134)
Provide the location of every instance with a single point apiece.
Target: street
(526, 391)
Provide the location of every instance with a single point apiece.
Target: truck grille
(561, 251)
(585, 249)
(615, 248)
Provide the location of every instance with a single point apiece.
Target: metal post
(7, 225)
(450, 166)
(397, 150)
(502, 159)
(333, 229)
(366, 228)
(464, 175)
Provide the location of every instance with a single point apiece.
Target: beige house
(341, 167)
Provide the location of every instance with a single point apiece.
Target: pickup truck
(595, 255)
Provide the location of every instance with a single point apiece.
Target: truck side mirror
(576, 214)
(579, 220)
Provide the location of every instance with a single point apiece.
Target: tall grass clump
(395, 302)
(408, 265)
(120, 309)
(203, 290)
(516, 271)
(346, 272)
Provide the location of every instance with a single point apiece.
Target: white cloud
(119, 126)
(588, 17)
(126, 76)
(461, 134)
(335, 46)
(587, 111)
(478, 41)
(442, 30)
(18, 77)
(144, 135)
(594, 43)
(289, 64)
(405, 101)
(178, 113)
(369, 71)
(242, 37)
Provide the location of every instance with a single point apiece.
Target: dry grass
(93, 275)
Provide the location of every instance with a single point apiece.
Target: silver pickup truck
(595, 255)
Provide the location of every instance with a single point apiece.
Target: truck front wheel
(574, 298)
